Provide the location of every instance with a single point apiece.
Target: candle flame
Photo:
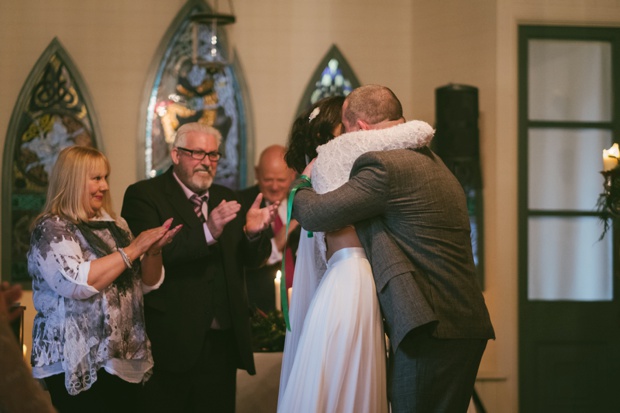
(278, 275)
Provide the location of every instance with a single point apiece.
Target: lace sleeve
(335, 158)
(56, 258)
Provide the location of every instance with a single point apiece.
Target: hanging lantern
(207, 48)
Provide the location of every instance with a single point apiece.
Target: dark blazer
(178, 314)
(411, 216)
(259, 281)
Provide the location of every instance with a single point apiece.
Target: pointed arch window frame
(54, 50)
(246, 145)
(347, 72)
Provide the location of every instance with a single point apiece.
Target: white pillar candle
(290, 294)
(610, 157)
(276, 283)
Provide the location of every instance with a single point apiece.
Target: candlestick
(276, 283)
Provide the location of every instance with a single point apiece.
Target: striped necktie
(197, 201)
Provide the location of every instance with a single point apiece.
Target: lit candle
(610, 157)
(276, 283)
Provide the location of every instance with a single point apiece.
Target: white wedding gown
(334, 356)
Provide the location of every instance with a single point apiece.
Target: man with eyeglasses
(198, 321)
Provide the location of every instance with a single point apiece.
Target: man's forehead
(274, 173)
(197, 137)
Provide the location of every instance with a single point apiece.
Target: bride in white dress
(334, 356)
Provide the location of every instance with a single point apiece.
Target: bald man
(274, 179)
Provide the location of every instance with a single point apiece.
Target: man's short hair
(180, 137)
(372, 104)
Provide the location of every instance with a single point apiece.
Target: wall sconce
(206, 45)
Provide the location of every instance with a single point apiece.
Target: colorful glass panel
(332, 77)
(183, 92)
(51, 114)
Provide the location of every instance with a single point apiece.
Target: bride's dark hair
(312, 129)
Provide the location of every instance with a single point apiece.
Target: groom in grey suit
(411, 216)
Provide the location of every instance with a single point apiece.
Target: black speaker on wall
(457, 136)
(457, 143)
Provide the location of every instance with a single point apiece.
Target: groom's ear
(363, 125)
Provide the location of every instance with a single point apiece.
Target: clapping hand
(258, 219)
(221, 215)
(154, 239)
(169, 234)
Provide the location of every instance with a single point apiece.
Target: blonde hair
(67, 189)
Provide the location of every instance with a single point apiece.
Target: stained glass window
(181, 92)
(52, 113)
(332, 77)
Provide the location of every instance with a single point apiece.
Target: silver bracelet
(126, 258)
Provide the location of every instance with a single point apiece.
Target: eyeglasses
(200, 155)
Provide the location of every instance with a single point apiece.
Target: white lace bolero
(335, 158)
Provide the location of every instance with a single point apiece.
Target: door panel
(563, 169)
(575, 376)
(569, 312)
(569, 80)
(585, 274)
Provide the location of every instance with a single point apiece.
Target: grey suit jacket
(411, 216)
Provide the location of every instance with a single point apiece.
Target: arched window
(332, 77)
(179, 92)
(53, 111)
